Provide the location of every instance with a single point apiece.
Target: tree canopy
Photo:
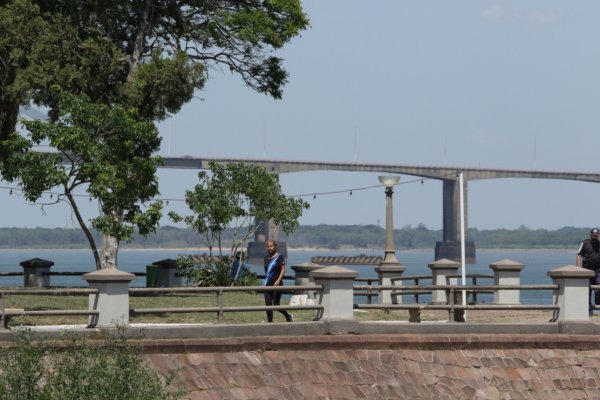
(104, 150)
(150, 56)
(239, 197)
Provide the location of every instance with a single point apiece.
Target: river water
(537, 263)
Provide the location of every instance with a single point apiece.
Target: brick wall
(384, 366)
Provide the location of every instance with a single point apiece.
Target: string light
(366, 187)
(314, 195)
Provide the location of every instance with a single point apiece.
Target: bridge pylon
(450, 246)
(257, 250)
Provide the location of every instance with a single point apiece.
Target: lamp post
(390, 267)
(390, 252)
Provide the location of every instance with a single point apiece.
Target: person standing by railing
(588, 257)
(239, 267)
(274, 272)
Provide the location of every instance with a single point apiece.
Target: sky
(492, 84)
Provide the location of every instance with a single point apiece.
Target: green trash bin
(152, 272)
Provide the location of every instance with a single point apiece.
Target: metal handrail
(5, 315)
(417, 278)
(451, 293)
(211, 289)
(220, 309)
(78, 273)
(459, 287)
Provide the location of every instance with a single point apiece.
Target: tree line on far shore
(309, 236)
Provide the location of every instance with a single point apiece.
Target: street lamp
(390, 253)
(390, 268)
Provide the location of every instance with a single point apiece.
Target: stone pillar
(167, 274)
(337, 297)
(385, 273)
(112, 300)
(440, 270)
(302, 275)
(36, 272)
(507, 273)
(573, 292)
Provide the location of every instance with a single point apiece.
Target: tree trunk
(108, 252)
(84, 228)
(140, 40)
(110, 244)
(9, 112)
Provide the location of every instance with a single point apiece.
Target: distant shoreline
(295, 249)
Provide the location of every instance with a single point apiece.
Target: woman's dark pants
(273, 299)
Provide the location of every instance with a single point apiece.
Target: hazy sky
(511, 84)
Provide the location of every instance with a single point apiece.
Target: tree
(105, 150)
(145, 55)
(238, 196)
(148, 54)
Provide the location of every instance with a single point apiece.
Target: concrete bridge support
(267, 230)
(449, 248)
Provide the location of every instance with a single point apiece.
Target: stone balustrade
(337, 296)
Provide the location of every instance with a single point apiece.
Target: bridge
(450, 246)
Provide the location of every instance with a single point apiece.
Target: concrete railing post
(112, 299)
(36, 272)
(302, 277)
(573, 291)
(337, 297)
(507, 273)
(163, 273)
(440, 272)
(385, 273)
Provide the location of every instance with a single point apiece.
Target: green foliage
(150, 55)
(238, 196)
(210, 272)
(109, 150)
(77, 369)
(196, 273)
(164, 84)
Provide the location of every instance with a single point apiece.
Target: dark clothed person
(274, 271)
(588, 257)
(239, 268)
